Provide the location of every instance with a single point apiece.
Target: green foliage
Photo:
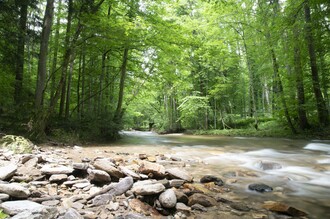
(3, 215)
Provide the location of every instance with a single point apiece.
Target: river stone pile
(47, 184)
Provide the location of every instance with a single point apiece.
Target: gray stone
(148, 189)
(209, 178)
(129, 172)
(182, 207)
(51, 170)
(177, 173)
(177, 183)
(113, 206)
(98, 176)
(6, 172)
(102, 199)
(72, 182)
(80, 166)
(81, 185)
(107, 166)
(58, 178)
(72, 214)
(15, 190)
(51, 202)
(168, 199)
(123, 186)
(15, 207)
(4, 197)
(199, 207)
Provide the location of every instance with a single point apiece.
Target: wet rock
(109, 167)
(15, 207)
(51, 170)
(15, 190)
(6, 172)
(168, 199)
(201, 199)
(283, 208)
(266, 165)
(198, 207)
(143, 208)
(177, 173)
(148, 189)
(98, 176)
(156, 170)
(260, 187)
(209, 178)
(72, 214)
(239, 206)
(58, 178)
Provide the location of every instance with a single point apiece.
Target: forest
(91, 68)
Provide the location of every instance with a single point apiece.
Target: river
(302, 177)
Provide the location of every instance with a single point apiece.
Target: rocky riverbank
(48, 183)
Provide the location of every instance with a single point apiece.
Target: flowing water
(300, 178)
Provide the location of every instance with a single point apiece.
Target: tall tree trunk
(303, 121)
(41, 115)
(281, 91)
(68, 91)
(42, 64)
(118, 113)
(56, 48)
(322, 111)
(19, 69)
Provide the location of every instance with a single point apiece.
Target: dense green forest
(94, 67)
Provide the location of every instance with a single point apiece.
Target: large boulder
(17, 144)
(15, 190)
(7, 171)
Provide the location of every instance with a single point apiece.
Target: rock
(239, 206)
(98, 176)
(102, 199)
(51, 202)
(6, 172)
(58, 178)
(266, 165)
(209, 178)
(15, 190)
(51, 170)
(123, 186)
(260, 187)
(182, 207)
(73, 182)
(283, 208)
(156, 170)
(142, 156)
(80, 166)
(113, 206)
(129, 172)
(177, 173)
(177, 183)
(148, 189)
(109, 167)
(81, 185)
(152, 159)
(198, 207)
(17, 144)
(3, 197)
(202, 199)
(181, 197)
(15, 207)
(143, 208)
(168, 199)
(72, 214)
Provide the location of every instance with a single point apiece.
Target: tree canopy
(96, 67)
